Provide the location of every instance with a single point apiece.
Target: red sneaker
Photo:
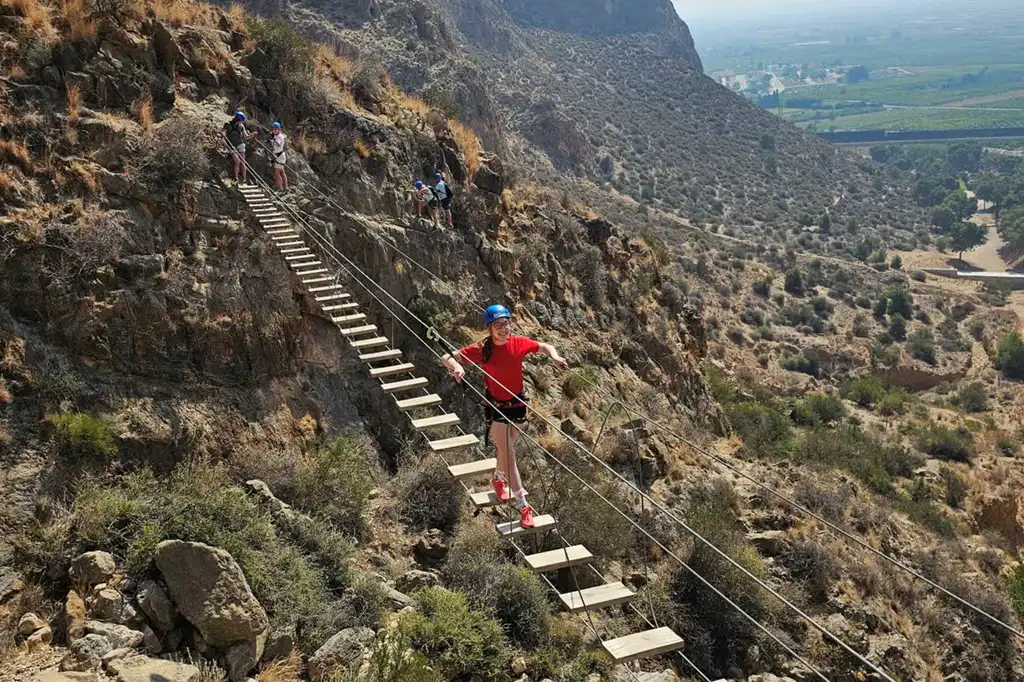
(526, 516)
(500, 488)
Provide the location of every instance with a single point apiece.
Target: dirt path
(987, 256)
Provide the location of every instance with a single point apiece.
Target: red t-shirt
(506, 365)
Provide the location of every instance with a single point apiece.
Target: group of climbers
(500, 354)
(434, 198)
(236, 134)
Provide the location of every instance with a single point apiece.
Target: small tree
(896, 263)
(1010, 359)
(898, 328)
(966, 236)
(795, 282)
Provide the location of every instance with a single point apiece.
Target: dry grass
(35, 14)
(81, 26)
(361, 148)
(143, 111)
(310, 144)
(282, 669)
(179, 13)
(16, 72)
(415, 104)
(508, 201)
(330, 63)
(469, 143)
(73, 98)
(84, 174)
(5, 395)
(15, 151)
(236, 13)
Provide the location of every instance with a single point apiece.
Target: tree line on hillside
(943, 176)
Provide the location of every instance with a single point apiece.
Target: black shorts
(432, 203)
(509, 413)
(446, 203)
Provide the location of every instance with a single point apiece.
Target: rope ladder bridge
(429, 418)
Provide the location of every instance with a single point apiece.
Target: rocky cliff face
(606, 18)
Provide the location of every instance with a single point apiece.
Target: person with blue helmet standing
(236, 134)
(277, 143)
(444, 196)
(424, 199)
(501, 355)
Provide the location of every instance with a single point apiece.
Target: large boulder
(343, 651)
(86, 653)
(146, 669)
(57, 676)
(211, 592)
(93, 568)
(119, 636)
(157, 606)
(29, 623)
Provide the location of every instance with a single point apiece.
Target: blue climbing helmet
(418, 184)
(275, 124)
(437, 176)
(239, 116)
(495, 312)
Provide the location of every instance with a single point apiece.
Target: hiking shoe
(526, 516)
(500, 488)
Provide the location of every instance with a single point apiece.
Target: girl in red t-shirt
(501, 355)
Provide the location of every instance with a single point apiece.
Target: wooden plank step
(293, 244)
(555, 559)
(300, 262)
(345, 319)
(435, 422)
(380, 355)
(286, 239)
(370, 343)
(314, 271)
(484, 500)
(282, 231)
(391, 370)
(296, 250)
(317, 280)
(419, 401)
(600, 597)
(643, 644)
(473, 469)
(404, 385)
(513, 529)
(333, 297)
(300, 256)
(452, 443)
(340, 306)
(332, 287)
(355, 331)
(261, 211)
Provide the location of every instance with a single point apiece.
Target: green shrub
(1015, 588)
(872, 461)
(818, 409)
(973, 397)
(921, 345)
(945, 443)
(894, 402)
(956, 487)
(392, 661)
(456, 640)
(575, 384)
(803, 364)
(794, 282)
(764, 429)
(428, 496)
(522, 606)
(709, 619)
(814, 566)
(763, 288)
(898, 328)
(334, 482)
(1010, 358)
(896, 263)
(564, 655)
(865, 391)
(132, 514)
(288, 51)
(171, 161)
(82, 438)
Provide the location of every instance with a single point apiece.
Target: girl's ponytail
(486, 349)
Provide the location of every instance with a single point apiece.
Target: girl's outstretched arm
(550, 351)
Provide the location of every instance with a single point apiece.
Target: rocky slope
(617, 109)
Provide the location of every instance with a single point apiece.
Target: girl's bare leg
(499, 436)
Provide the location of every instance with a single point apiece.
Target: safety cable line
(835, 528)
(318, 239)
(657, 505)
(687, 527)
(610, 504)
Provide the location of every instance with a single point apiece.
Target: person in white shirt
(277, 143)
(444, 197)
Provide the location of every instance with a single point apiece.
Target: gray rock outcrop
(341, 652)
